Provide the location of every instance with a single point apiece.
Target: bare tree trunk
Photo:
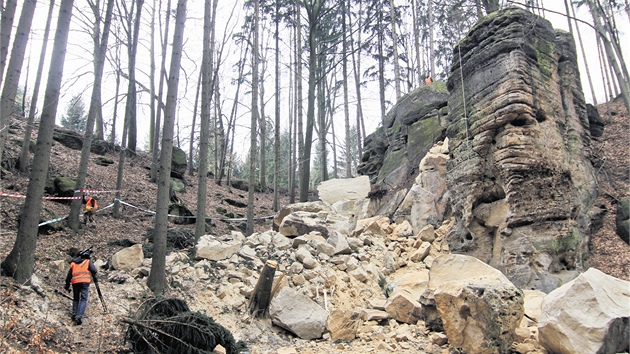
(12, 79)
(99, 60)
(479, 9)
(356, 66)
(6, 27)
(157, 279)
(612, 59)
(94, 111)
(610, 25)
(292, 143)
(20, 262)
(300, 109)
(206, 93)
(131, 96)
(262, 294)
(606, 74)
(263, 124)
(431, 40)
(491, 5)
(152, 126)
(254, 121)
(26, 142)
(392, 15)
(191, 146)
(346, 107)
(130, 103)
(112, 138)
(232, 121)
(381, 66)
(276, 135)
(313, 11)
(322, 130)
(156, 137)
(579, 35)
(416, 38)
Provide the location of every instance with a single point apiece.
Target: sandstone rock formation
(411, 127)
(516, 172)
(520, 150)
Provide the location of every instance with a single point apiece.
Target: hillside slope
(30, 322)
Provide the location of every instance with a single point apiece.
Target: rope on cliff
(461, 74)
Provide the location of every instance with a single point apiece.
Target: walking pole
(100, 296)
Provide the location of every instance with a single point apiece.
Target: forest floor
(105, 334)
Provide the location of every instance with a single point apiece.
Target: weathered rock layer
(519, 175)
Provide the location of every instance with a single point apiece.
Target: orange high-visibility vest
(91, 204)
(81, 272)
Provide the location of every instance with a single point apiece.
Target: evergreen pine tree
(75, 117)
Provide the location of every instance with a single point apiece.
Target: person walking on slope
(80, 274)
(90, 209)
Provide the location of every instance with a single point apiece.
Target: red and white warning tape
(95, 191)
(12, 195)
(45, 197)
(62, 197)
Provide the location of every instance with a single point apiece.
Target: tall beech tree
(14, 69)
(254, 120)
(26, 142)
(157, 279)
(20, 262)
(209, 23)
(95, 110)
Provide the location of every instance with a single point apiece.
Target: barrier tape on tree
(95, 191)
(51, 221)
(65, 217)
(44, 197)
(193, 216)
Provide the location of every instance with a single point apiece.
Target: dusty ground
(104, 333)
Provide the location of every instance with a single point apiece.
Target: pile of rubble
(366, 281)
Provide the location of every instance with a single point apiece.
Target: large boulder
(402, 307)
(128, 258)
(178, 163)
(590, 314)
(595, 121)
(62, 187)
(480, 308)
(304, 218)
(211, 248)
(520, 150)
(622, 219)
(74, 140)
(298, 313)
(337, 189)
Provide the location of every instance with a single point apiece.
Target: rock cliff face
(519, 181)
(520, 178)
(410, 128)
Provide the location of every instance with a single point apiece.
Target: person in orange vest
(80, 275)
(91, 206)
